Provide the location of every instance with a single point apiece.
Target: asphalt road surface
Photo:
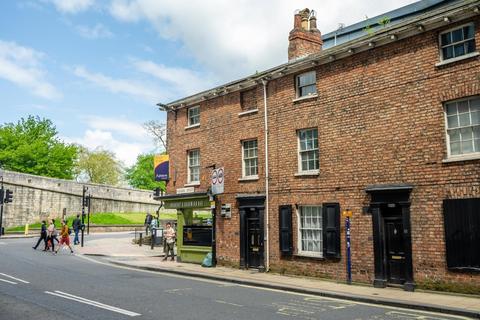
(39, 285)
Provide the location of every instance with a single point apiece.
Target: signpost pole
(213, 206)
(349, 261)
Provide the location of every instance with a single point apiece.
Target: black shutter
(462, 233)
(331, 230)
(285, 223)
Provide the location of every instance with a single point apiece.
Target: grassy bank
(104, 218)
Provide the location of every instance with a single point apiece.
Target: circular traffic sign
(220, 176)
(214, 177)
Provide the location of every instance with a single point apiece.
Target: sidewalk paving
(121, 251)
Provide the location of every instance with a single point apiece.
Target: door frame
(245, 203)
(381, 197)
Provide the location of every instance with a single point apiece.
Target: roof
(358, 29)
(430, 17)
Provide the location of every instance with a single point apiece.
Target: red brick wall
(380, 120)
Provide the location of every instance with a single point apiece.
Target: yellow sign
(347, 213)
(161, 167)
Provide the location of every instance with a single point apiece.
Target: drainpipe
(267, 226)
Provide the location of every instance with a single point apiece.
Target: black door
(254, 240)
(394, 245)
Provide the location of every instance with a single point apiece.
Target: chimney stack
(305, 38)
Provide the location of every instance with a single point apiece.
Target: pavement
(120, 251)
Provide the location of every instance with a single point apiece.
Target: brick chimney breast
(305, 38)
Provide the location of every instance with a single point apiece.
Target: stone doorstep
(395, 299)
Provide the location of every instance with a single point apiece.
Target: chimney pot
(304, 40)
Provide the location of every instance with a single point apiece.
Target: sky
(97, 69)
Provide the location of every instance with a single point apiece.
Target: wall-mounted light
(371, 44)
(393, 37)
(447, 19)
(420, 28)
(351, 50)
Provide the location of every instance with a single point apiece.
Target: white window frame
(244, 175)
(465, 55)
(299, 154)
(297, 85)
(300, 251)
(189, 167)
(190, 117)
(470, 155)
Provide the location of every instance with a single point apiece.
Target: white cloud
(123, 86)
(96, 32)
(236, 38)
(72, 6)
(120, 126)
(21, 66)
(184, 81)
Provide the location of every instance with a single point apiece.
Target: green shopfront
(194, 225)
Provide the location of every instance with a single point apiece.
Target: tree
(141, 175)
(32, 146)
(158, 131)
(98, 166)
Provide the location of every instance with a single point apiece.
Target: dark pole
(88, 213)
(214, 223)
(83, 214)
(2, 195)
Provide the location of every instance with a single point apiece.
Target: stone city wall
(36, 198)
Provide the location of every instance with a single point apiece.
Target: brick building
(381, 118)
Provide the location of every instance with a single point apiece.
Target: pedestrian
(154, 223)
(76, 226)
(43, 235)
(148, 220)
(169, 235)
(64, 238)
(51, 236)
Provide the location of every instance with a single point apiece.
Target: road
(39, 285)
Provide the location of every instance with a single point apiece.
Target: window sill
(312, 96)
(244, 113)
(452, 60)
(252, 178)
(192, 184)
(307, 173)
(473, 156)
(192, 126)
(309, 256)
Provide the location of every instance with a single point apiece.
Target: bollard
(153, 238)
(140, 242)
(26, 229)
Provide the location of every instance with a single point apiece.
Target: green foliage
(142, 176)
(98, 166)
(32, 146)
(384, 21)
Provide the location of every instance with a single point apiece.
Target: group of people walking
(49, 235)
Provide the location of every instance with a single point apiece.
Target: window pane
(464, 119)
(454, 135)
(452, 121)
(463, 106)
(457, 35)
(455, 148)
(476, 132)
(477, 145)
(466, 134)
(307, 90)
(446, 38)
(459, 50)
(451, 108)
(470, 46)
(468, 32)
(475, 104)
(467, 146)
(475, 117)
(447, 52)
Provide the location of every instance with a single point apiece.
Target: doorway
(254, 238)
(392, 244)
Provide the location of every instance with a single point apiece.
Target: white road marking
(229, 303)
(305, 295)
(69, 296)
(11, 282)
(19, 280)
